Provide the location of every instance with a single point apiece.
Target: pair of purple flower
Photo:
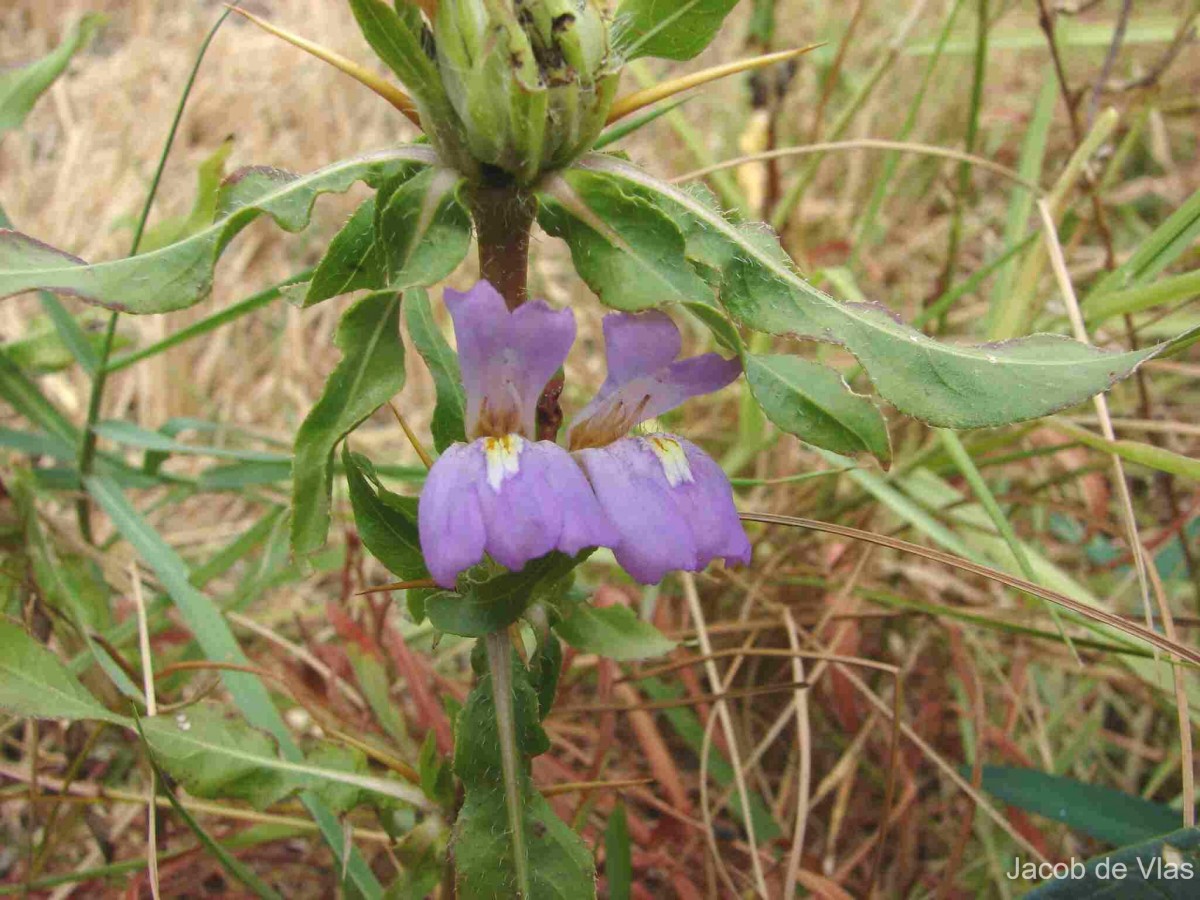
(659, 502)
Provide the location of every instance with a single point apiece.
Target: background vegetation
(1013, 743)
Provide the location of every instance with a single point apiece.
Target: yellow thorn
(412, 438)
(419, 584)
(641, 99)
(383, 88)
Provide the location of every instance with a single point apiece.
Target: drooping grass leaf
(449, 414)
(21, 87)
(956, 386)
(180, 275)
(371, 373)
(815, 404)
(618, 854)
(668, 29)
(559, 864)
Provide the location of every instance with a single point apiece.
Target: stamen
(503, 458)
(674, 461)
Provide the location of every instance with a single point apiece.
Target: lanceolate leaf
(353, 261)
(627, 250)
(669, 29)
(1104, 813)
(1164, 868)
(21, 87)
(955, 386)
(180, 275)
(424, 229)
(449, 414)
(559, 864)
(34, 683)
(386, 524)
(370, 373)
(421, 233)
(813, 403)
(612, 631)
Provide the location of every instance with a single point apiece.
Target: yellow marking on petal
(503, 458)
(674, 461)
(363, 76)
(641, 99)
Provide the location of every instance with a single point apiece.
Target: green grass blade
(216, 639)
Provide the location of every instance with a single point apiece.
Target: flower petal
(644, 380)
(506, 357)
(514, 499)
(670, 502)
(449, 517)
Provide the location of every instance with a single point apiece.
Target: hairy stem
(499, 654)
(503, 221)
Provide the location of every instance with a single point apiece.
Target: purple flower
(505, 494)
(671, 504)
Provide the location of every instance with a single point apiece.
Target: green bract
(531, 81)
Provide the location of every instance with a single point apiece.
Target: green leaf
(424, 229)
(624, 246)
(612, 631)
(215, 757)
(559, 863)
(135, 436)
(398, 43)
(35, 683)
(419, 237)
(668, 29)
(230, 863)
(618, 854)
(375, 684)
(1104, 813)
(21, 87)
(371, 373)
(545, 667)
(422, 854)
(955, 386)
(1138, 452)
(812, 402)
(437, 778)
(483, 607)
(212, 632)
(387, 522)
(449, 411)
(396, 37)
(1162, 247)
(1164, 868)
(352, 261)
(209, 176)
(180, 275)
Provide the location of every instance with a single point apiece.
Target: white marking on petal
(503, 458)
(674, 461)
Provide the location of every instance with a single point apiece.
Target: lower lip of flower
(674, 462)
(503, 458)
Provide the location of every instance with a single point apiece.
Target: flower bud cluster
(530, 80)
